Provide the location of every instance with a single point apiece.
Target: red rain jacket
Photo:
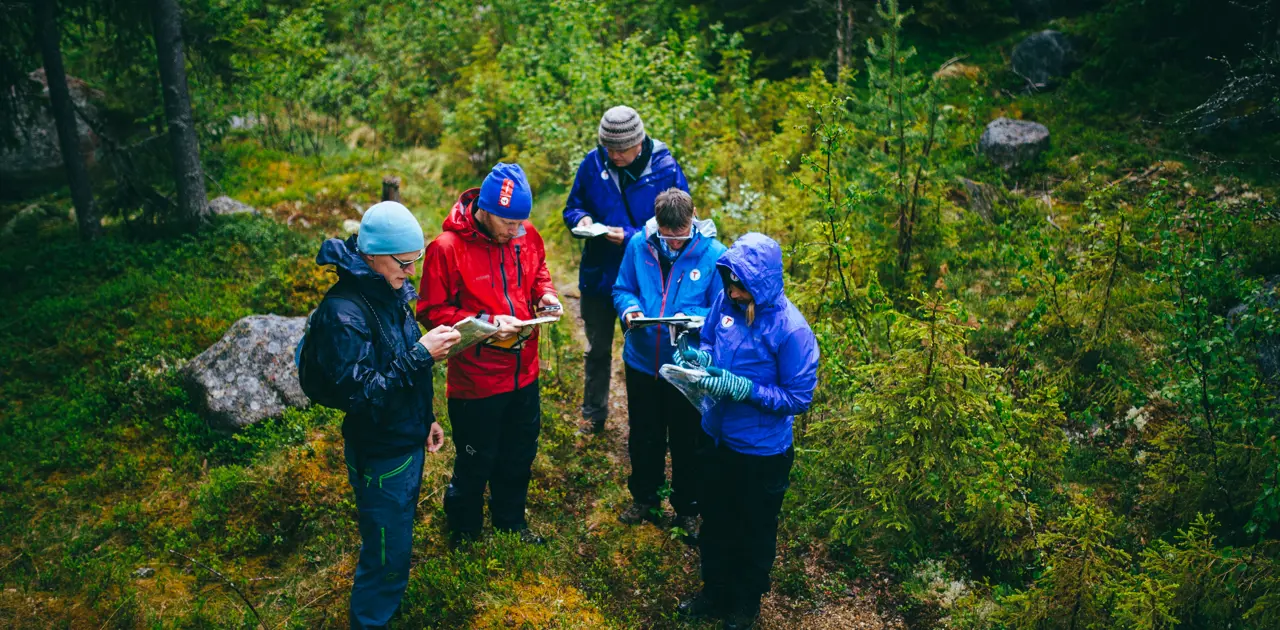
(466, 274)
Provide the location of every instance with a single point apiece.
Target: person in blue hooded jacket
(375, 364)
(762, 359)
(669, 269)
(615, 187)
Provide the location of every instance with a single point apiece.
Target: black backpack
(311, 376)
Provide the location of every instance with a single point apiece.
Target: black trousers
(497, 439)
(660, 416)
(740, 504)
(599, 319)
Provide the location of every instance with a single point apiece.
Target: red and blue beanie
(505, 192)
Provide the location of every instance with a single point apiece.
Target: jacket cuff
(420, 357)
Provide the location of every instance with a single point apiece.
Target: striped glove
(725, 384)
(690, 358)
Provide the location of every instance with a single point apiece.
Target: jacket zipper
(519, 274)
(502, 265)
(662, 310)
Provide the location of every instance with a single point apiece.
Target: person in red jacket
(490, 263)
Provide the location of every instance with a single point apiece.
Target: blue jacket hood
(345, 256)
(757, 260)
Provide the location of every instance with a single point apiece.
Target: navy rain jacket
(377, 367)
(778, 353)
(597, 193)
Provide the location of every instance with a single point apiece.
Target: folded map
(474, 331)
(590, 231)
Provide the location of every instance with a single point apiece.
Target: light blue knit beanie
(389, 228)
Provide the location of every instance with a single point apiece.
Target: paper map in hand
(590, 231)
(474, 331)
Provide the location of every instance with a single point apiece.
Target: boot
(591, 427)
(639, 512)
(699, 605)
(690, 526)
(745, 614)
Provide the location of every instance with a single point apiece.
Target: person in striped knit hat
(616, 186)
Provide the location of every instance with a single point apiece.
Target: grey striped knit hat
(621, 128)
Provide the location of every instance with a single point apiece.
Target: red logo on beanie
(504, 198)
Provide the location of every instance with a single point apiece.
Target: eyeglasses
(406, 264)
(686, 237)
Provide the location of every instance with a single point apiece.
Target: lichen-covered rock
(1044, 56)
(37, 155)
(227, 205)
(29, 218)
(1012, 142)
(980, 198)
(249, 374)
(1267, 345)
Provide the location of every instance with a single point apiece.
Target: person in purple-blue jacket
(762, 359)
(615, 187)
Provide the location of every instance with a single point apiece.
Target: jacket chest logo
(695, 275)
(604, 174)
(726, 321)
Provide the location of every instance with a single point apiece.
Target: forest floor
(109, 468)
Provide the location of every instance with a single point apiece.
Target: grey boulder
(1043, 57)
(227, 205)
(249, 374)
(1267, 345)
(1009, 143)
(980, 198)
(37, 156)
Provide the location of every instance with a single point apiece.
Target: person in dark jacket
(370, 350)
(490, 263)
(615, 186)
(762, 358)
(669, 269)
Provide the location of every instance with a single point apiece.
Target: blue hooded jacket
(377, 367)
(596, 193)
(778, 353)
(691, 285)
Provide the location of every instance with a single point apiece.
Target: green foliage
(1082, 566)
(1074, 427)
(931, 443)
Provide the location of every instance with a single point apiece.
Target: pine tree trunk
(166, 20)
(64, 116)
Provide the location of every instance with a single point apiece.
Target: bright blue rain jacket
(778, 353)
(596, 193)
(692, 284)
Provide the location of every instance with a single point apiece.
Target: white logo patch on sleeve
(726, 321)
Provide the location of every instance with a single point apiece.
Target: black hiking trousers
(600, 320)
(660, 416)
(496, 439)
(741, 500)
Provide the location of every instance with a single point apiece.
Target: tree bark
(166, 20)
(391, 188)
(64, 116)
